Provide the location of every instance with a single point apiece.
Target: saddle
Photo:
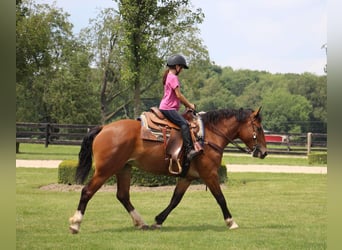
(156, 127)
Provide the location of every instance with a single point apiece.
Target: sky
(282, 36)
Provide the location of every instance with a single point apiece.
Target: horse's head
(252, 134)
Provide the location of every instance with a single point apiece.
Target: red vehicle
(276, 138)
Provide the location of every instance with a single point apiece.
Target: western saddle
(156, 127)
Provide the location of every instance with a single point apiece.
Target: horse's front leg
(123, 186)
(215, 188)
(181, 187)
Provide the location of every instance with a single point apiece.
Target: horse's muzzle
(257, 152)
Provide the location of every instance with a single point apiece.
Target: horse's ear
(257, 113)
(259, 110)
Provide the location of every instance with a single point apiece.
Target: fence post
(309, 142)
(47, 135)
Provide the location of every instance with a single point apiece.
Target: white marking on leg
(137, 219)
(231, 223)
(75, 222)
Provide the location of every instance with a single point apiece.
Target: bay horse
(117, 146)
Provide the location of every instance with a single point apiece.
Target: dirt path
(37, 163)
(276, 169)
(230, 167)
(109, 188)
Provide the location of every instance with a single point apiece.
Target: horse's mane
(215, 116)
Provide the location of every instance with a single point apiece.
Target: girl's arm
(183, 100)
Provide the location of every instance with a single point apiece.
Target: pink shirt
(170, 100)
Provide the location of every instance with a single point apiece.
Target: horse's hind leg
(123, 185)
(87, 193)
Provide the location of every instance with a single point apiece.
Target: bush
(317, 158)
(67, 171)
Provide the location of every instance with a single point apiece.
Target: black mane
(214, 116)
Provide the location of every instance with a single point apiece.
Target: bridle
(256, 146)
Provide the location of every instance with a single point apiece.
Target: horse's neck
(223, 132)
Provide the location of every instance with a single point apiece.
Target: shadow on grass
(189, 228)
(193, 228)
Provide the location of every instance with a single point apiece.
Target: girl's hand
(192, 106)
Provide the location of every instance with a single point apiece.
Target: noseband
(256, 146)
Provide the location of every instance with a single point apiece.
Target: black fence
(71, 134)
(291, 143)
(50, 133)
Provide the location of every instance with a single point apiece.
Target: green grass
(269, 160)
(29, 151)
(59, 152)
(274, 211)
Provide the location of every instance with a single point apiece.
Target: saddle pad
(151, 133)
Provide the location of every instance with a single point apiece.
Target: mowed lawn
(274, 211)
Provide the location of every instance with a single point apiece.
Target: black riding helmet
(177, 60)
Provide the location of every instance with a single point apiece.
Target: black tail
(85, 155)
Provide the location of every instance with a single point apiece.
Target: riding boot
(188, 144)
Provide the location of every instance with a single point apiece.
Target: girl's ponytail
(165, 76)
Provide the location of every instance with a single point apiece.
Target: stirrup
(178, 165)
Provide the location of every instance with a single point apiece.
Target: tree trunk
(104, 108)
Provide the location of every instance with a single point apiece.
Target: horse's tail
(85, 160)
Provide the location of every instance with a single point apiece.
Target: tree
(314, 89)
(72, 97)
(37, 55)
(213, 96)
(129, 47)
(103, 39)
(147, 24)
(283, 112)
(50, 64)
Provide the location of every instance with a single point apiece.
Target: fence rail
(50, 133)
(72, 134)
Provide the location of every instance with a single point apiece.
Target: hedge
(67, 171)
(317, 158)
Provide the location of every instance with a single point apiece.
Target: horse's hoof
(144, 227)
(73, 229)
(232, 224)
(156, 226)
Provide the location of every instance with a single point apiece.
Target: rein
(221, 134)
(217, 148)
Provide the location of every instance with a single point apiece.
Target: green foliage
(282, 109)
(67, 171)
(103, 38)
(214, 96)
(127, 49)
(318, 158)
(148, 31)
(288, 106)
(52, 69)
(141, 178)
